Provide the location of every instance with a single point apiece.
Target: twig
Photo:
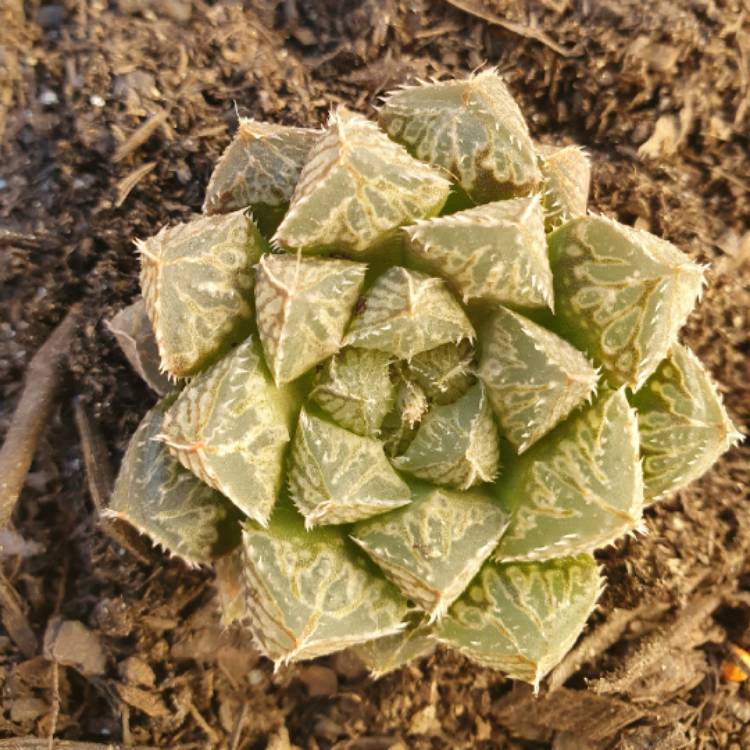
(140, 135)
(32, 413)
(127, 183)
(468, 6)
(99, 481)
(55, 705)
(15, 621)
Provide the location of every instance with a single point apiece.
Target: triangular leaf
(522, 618)
(197, 281)
(407, 312)
(311, 593)
(622, 294)
(578, 489)
(446, 372)
(339, 477)
(160, 498)
(230, 426)
(534, 378)
(472, 128)
(432, 548)
(494, 253)
(356, 188)
(356, 389)
(456, 445)
(683, 424)
(303, 306)
(567, 176)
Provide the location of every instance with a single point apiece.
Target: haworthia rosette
(197, 281)
(683, 424)
(356, 188)
(522, 618)
(303, 306)
(311, 593)
(622, 294)
(163, 500)
(472, 128)
(230, 426)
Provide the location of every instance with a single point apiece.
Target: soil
(111, 115)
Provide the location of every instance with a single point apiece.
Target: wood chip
(72, 644)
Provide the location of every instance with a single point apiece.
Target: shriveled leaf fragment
(432, 548)
(566, 172)
(384, 655)
(230, 427)
(407, 312)
(400, 424)
(522, 618)
(356, 389)
(472, 128)
(132, 329)
(683, 424)
(494, 253)
(197, 281)
(456, 445)
(229, 586)
(311, 593)
(577, 490)
(259, 168)
(160, 498)
(622, 294)
(303, 306)
(534, 378)
(337, 476)
(356, 188)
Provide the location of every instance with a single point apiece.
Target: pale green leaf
(432, 548)
(472, 128)
(522, 618)
(197, 281)
(311, 593)
(534, 379)
(385, 655)
(356, 389)
(622, 294)
(337, 476)
(303, 306)
(567, 177)
(456, 445)
(407, 312)
(683, 424)
(492, 253)
(356, 188)
(160, 498)
(579, 489)
(446, 372)
(230, 426)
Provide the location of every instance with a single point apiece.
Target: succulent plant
(414, 385)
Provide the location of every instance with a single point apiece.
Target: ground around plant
(111, 116)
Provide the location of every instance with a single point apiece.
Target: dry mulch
(111, 116)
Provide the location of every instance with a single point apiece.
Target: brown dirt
(659, 93)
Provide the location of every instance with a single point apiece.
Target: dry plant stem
(472, 8)
(599, 641)
(14, 619)
(32, 413)
(100, 482)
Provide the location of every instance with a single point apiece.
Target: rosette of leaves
(396, 419)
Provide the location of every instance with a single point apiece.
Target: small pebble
(97, 101)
